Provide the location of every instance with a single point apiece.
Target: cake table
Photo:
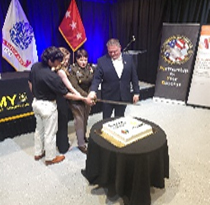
(129, 171)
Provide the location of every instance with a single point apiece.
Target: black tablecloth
(133, 169)
(16, 114)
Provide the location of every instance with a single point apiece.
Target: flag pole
(73, 57)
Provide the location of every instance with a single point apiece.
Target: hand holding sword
(92, 95)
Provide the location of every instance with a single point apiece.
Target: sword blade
(116, 102)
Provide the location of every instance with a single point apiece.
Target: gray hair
(112, 42)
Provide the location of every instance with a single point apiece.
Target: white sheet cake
(127, 129)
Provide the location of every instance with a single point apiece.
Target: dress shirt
(118, 65)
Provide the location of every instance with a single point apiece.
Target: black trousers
(119, 110)
(62, 140)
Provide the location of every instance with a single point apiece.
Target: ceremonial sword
(115, 102)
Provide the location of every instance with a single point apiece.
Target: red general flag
(72, 28)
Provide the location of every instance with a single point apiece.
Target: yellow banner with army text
(15, 100)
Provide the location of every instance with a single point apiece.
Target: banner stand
(176, 61)
(199, 89)
(164, 100)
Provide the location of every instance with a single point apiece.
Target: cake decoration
(125, 130)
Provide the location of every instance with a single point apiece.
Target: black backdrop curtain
(111, 18)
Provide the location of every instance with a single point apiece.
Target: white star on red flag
(68, 14)
(73, 25)
(79, 35)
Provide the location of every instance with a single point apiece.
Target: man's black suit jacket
(113, 87)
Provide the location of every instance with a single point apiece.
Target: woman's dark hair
(52, 53)
(81, 53)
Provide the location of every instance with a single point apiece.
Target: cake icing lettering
(117, 125)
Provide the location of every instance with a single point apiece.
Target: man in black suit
(115, 72)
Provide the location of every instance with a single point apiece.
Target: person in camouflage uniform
(81, 75)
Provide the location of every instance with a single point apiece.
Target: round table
(133, 169)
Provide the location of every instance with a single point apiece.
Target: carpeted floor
(24, 181)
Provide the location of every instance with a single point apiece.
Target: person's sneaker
(83, 149)
(57, 159)
(38, 157)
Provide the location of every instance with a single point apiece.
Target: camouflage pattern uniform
(81, 79)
